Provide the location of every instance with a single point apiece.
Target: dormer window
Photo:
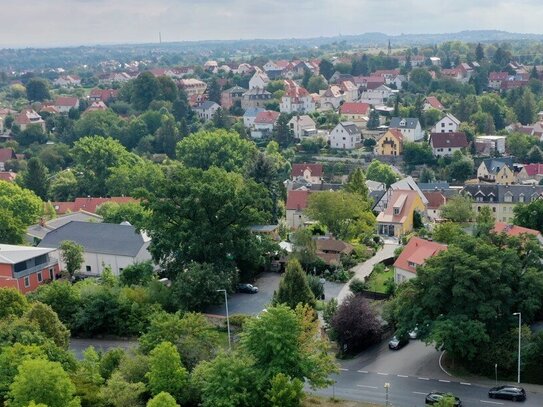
(402, 122)
(521, 198)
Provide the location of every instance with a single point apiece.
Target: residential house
(390, 143)
(230, 96)
(307, 173)
(409, 127)
(514, 230)
(250, 115)
(349, 90)
(346, 136)
(103, 95)
(445, 144)
(64, 103)
(330, 250)
(96, 106)
(114, 77)
(104, 244)
(368, 82)
(256, 97)
(407, 183)
(6, 154)
(495, 79)
(296, 204)
(192, 87)
(35, 233)
(264, 123)
(397, 82)
(501, 199)
(415, 254)
(296, 99)
(88, 204)
(490, 144)
(25, 268)
(29, 117)
(355, 112)
(67, 81)
(206, 110)
(259, 80)
(378, 96)
(436, 199)
(331, 98)
(397, 218)
(302, 126)
(431, 102)
(531, 172)
(498, 170)
(449, 124)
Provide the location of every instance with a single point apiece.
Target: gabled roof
(354, 108)
(513, 230)
(451, 117)
(350, 128)
(498, 76)
(317, 170)
(297, 200)
(399, 206)
(10, 254)
(403, 123)
(7, 154)
(235, 89)
(267, 117)
(7, 176)
(208, 104)
(41, 229)
(252, 112)
(66, 101)
(394, 132)
(435, 199)
(449, 140)
(303, 120)
(88, 204)
(104, 238)
(434, 102)
(416, 252)
(333, 245)
(534, 169)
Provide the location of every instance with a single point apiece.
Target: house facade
(264, 123)
(378, 96)
(498, 170)
(531, 172)
(64, 103)
(415, 254)
(255, 97)
(397, 218)
(303, 127)
(192, 87)
(436, 199)
(346, 136)
(25, 268)
(310, 173)
(295, 206)
(356, 112)
(230, 96)
(206, 110)
(445, 144)
(390, 143)
(259, 80)
(297, 100)
(449, 124)
(29, 117)
(409, 127)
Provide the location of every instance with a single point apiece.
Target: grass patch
(378, 278)
(312, 400)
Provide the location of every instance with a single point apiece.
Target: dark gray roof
(491, 193)
(323, 186)
(39, 231)
(494, 165)
(410, 123)
(350, 128)
(432, 186)
(208, 104)
(104, 238)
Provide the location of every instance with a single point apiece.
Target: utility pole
(227, 317)
(519, 315)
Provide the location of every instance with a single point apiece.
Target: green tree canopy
(131, 212)
(294, 287)
(458, 209)
(35, 178)
(166, 373)
(162, 399)
(37, 90)
(529, 215)
(381, 172)
(12, 303)
(72, 255)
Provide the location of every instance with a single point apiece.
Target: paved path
(364, 269)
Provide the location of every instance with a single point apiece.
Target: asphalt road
(78, 346)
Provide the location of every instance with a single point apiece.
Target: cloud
(72, 22)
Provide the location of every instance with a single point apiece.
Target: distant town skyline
(86, 22)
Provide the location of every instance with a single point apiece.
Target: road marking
(491, 402)
(362, 371)
(419, 392)
(444, 381)
(343, 370)
(367, 387)
(441, 365)
(423, 378)
(382, 374)
(402, 375)
(465, 384)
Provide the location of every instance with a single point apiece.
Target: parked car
(397, 343)
(247, 288)
(436, 397)
(414, 333)
(514, 393)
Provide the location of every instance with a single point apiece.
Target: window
(508, 197)
(396, 211)
(40, 278)
(442, 124)
(494, 210)
(51, 271)
(88, 268)
(27, 282)
(521, 198)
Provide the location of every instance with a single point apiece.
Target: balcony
(35, 269)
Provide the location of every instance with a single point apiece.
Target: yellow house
(390, 143)
(505, 176)
(397, 218)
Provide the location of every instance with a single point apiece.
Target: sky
(81, 22)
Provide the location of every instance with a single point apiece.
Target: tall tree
(21, 208)
(167, 136)
(214, 91)
(72, 255)
(479, 53)
(525, 107)
(529, 215)
(166, 374)
(356, 184)
(37, 90)
(458, 209)
(162, 399)
(35, 177)
(294, 288)
(145, 89)
(326, 69)
(373, 121)
(381, 172)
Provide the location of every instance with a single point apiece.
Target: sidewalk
(364, 269)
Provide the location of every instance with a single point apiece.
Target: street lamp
(227, 317)
(496, 371)
(519, 314)
(387, 386)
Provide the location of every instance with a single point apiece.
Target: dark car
(436, 397)
(247, 288)
(514, 393)
(397, 343)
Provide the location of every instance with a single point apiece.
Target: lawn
(377, 280)
(328, 402)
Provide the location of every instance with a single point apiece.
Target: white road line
(423, 378)
(343, 370)
(465, 384)
(444, 381)
(362, 371)
(419, 392)
(382, 374)
(491, 402)
(367, 387)
(402, 375)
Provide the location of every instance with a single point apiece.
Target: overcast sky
(74, 22)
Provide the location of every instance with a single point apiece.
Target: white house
(67, 81)
(414, 255)
(264, 124)
(206, 110)
(445, 144)
(331, 98)
(345, 135)
(296, 100)
(64, 103)
(104, 244)
(409, 127)
(259, 80)
(493, 143)
(449, 124)
(378, 96)
(303, 126)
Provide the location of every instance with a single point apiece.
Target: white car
(414, 333)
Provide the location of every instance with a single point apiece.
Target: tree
(381, 172)
(427, 175)
(44, 382)
(64, 186)
(421, 78)
(535, 155)
(32, 134)
(356, 184)
(529, 215)
(282, 133)
(346, 215)
(418, 154)
(485, 221)
(167, 136)
(461, 167)
(35, 178)
(214, 91)
(326, 69)
(87, 378)
(457, 209)
(23, 204)
(71, 254)
(137, 274)
(145, 89)
(12, 303)
(285, 392)
(63, 297)
(447, 232)
(37, 90)
(11, 358)
(131, 212)
(316, 83)
(168, 89)
(294, 288)
(218, 148)
(12, 229)
(166, 373)
(121, 393)
(162, 399)
(479, 53)
(373, 120)
(48, 322)
(525, 107)
(355, 324)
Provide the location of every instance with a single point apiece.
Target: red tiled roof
(6, 154)
(417, 251)
(7, 176)
(354, 108)
(498, 76)
(533, 169)
(403, 199)
(298, 169)
(435, 199)
(434, 102)
(513, 230)
(396, 133)
(88, 204)
(66, 101)
(103, 94)
(267, 117)
(297, 200)
(444, 140)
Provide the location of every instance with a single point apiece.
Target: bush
(357, 286)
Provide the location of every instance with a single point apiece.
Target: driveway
(78, 346)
